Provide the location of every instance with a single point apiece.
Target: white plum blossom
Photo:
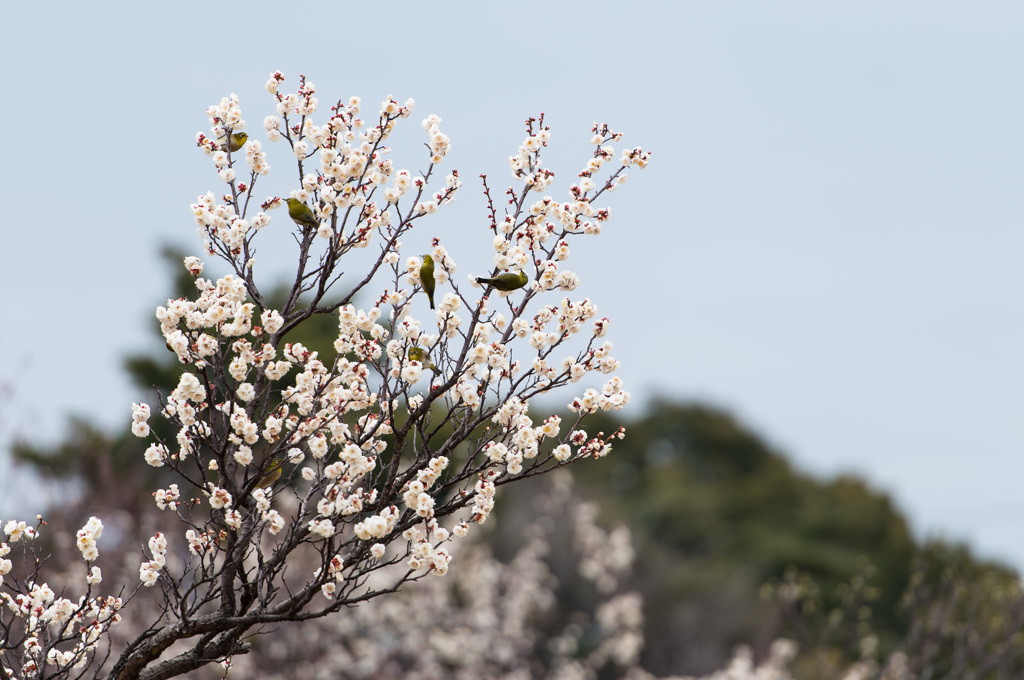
(156, 454)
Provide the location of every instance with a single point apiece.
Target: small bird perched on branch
(427, 278)
(275, 474)
(236, 141)
(419, 354)
(302, 214)
(506, 282)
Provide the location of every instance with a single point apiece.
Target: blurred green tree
(718, 513)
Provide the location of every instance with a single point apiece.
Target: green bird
(268, 479)
(419, 354)
(427, 278)
(507, 281)
(302, 214)
(236, 141)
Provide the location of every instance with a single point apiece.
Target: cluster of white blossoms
(87, 536)
(5, 564)
(149, 571)
(19, 529)
(607, 556)
(426, 550)
(167, 498)
(502, 619)
(49, 620)
(483, 497)
(140, 420)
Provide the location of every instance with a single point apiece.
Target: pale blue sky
(828, 241)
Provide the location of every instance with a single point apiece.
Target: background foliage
(732, 544)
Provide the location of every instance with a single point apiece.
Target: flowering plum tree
(306, 484)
